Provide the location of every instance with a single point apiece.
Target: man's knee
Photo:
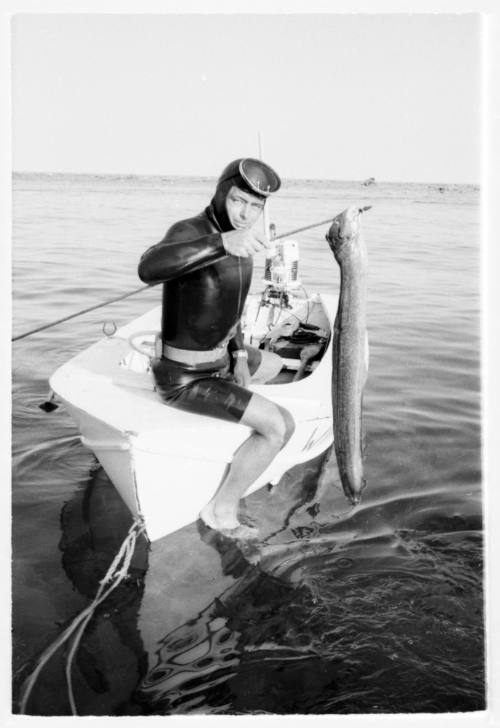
(271, 420)
(289, 423)
(282, 426)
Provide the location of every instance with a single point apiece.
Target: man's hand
(241, 372)
(242, 243)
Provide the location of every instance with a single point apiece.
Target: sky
(395, 97)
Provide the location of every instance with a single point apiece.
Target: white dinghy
(166, 463)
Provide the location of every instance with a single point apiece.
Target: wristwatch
(240, 354)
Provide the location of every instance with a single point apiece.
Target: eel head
(343, 233)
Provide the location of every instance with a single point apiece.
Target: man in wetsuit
(205, 264)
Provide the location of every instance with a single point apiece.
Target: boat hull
(165, 463)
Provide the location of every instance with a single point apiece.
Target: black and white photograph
(248, 364)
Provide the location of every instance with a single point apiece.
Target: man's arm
(181, 251)
(236, 348)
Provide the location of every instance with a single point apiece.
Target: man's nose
(244, 212)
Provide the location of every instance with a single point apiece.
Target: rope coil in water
(116, 573)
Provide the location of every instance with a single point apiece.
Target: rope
(78, 313)
(116, 573)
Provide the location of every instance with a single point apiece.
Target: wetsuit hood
(249, 175)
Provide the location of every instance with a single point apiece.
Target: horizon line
(214, 177)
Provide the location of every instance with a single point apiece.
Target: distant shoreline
(116, 176)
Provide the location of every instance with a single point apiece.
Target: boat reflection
(208, 663)
(327, 600)
(201, 663)
(199, 617)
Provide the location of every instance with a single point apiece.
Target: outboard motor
(281, 270)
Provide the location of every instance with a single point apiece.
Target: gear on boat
(285, 333)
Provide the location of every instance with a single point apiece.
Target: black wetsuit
(204, 293)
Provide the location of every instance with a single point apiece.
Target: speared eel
(350, 349)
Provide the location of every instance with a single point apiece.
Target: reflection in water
(202, 663)
(347, 616)
(375, 609)
(191, 661)
(196, 666)
(110, 658)
(363, 627)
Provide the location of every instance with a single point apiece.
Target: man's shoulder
(184, 229)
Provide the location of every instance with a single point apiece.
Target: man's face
(243, 209)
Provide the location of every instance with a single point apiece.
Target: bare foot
(218, 518)
(241, 533)
(227, 524)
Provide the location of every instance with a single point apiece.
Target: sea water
(367, 610)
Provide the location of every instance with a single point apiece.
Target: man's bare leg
(306, 355)
(273, 427)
